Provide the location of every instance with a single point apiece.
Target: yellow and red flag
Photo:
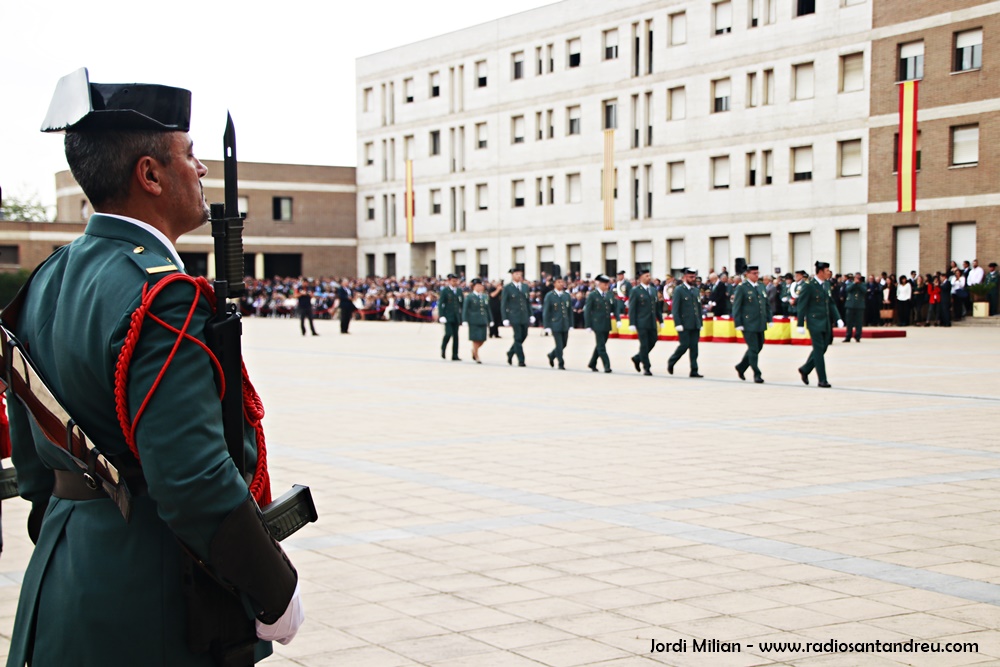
(906, 179)
(409, 201)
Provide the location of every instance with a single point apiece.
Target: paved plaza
(489, 516)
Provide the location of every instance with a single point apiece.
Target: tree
(28, 208)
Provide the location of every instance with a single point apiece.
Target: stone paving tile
(572, 652)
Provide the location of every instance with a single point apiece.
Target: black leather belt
(76, 486)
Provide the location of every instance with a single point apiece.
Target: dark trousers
(854, 320)
(303, 314)
(820, 341)
(755, 343)
(600, 351)
(903, 313)
(944, 314)
(450, 333)
(560, 338)
(494, 329)
(520, 333)
(993, 301)
(647, 341)
(345, 320)
(688, 341)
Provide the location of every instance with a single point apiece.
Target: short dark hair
(102, 162)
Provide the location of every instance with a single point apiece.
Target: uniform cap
(753, 267)
(822, 265)
(515, 270)
(476, 281)
(688, 271)
(601, 278)
(451, 275)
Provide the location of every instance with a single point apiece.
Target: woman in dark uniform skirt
(476, 312)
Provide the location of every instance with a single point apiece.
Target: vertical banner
(409, 201)
(906, 185)
(608, 186)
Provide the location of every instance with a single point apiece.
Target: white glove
(679, 328)
(491, 324)
(632, 328)
(587, 329)
(283, 630)
(739, 328)
(548, 330)
(840, 324)
(531, 319)
(801, 330)
(506, 323)
(711, 304)
(443, 320)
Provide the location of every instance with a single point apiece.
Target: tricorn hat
(753, 267)
(451, 276)
(516, 270)
(690, 272)
(476, 281)
(81, 106)
(601, 278)
(822, 265)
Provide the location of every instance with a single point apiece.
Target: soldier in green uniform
(557, 318)
(816, 308)
(515, 308)
(855, 307)
(600, 307)
(450, 315)
(476, 313)
(793, 291)
(686, 312)
(752, 315)
(99, 590)
(786, 295)
(622, 291)
(644, 318)
(993, 280)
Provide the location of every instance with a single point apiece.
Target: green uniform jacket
(476, 310)
(750, 309)
(450, 304)
(816, 307)
(557, 311)
(686, 309)
(643, 311)
(598, 311)
(514, 304)
(856, 293)
(102, 591)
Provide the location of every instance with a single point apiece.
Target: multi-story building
(740, 130)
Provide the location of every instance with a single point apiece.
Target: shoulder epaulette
(151, 263)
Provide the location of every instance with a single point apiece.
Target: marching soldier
(476, 312)
(601, 306)
(815, 307)
(855, 307)
(687, 320)
(793, 291)
(516, 309)
(99, 590)
(450, 315)
(622, 291)
(557, 318)
(752, 315)
(645, 319)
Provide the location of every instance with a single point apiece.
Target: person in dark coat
(346, 305)
(720, 296)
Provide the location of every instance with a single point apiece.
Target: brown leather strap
(74, 486)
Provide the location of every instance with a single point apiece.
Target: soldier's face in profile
(182, 183)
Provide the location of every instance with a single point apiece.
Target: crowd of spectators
(925, 300)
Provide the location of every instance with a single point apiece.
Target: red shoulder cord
(253, 409)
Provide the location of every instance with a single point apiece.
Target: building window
(517, 192)
(517, 66)
(753, 90)
(573, 120)
(611, 44)
(614, 182)
(369, 153)
(482, 197)
(805, 7)
(720, 95)
(802, 163)
(610, 114)
(408, 143)
(720, 172)
(852, 72)
(752, 169)
(517, 130)
(281, 208)
(539, 192)
(573, 52)
(435, 202)
(849, 158)
(768, 88)
(676, 103)
(722, 17)
(407, 91)
(675, 176)
(435, 84)
(911, 61)
(968, 50)
(574, 190)
(368, 99)
(803, 80)
(481, 135)
(550, 50)
(481, 74)
(678, 28)
(895, 152)
(761, 12)
(435, 142)
(370, 208)
(767, 157)
(10, 255)
(243, 205)
(965, 145)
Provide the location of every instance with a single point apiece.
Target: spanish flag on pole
(907, 173)
(409, 201)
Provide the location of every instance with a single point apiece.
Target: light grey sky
(285, 69)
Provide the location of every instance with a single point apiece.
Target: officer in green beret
(557, 318)
(815, 308)
(644, 318)
(515, 308)
(855, 307)
(450, 315)
(686, 312)
(476, 313)
(99, 590)
(752, 316)
(600, 307)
